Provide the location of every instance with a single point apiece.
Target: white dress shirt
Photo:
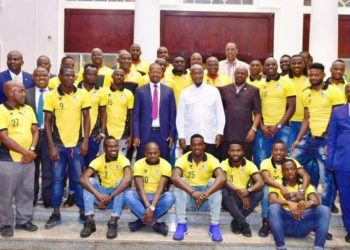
(200, 111)
(155, 123)
(37, 94)
(15, 77)
(227, 68)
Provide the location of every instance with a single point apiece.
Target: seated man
(295, 217)
(151, 201)
(198, 179)
(239, 198)
(115, 177)
(271, 172)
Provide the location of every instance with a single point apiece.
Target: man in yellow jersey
(256, 73)
(278, 106)
(213, 77)
(179, 78)
(44, 62)
(296, 216)
(66, 61)
(19, 137)
(119, 109)
(104, 72)
(133, 79)
(271, 172)
(198, 180)
(240, 101)
(319, 100)
(162, 52)
(285, 65)
(138, 64)
(337, 76)
(97, 111)
(240, 198)
(150, 201)
(66, 112)
(115, 176)
(307, 58)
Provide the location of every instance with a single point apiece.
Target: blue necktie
(40, 108)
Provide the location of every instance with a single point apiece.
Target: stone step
(67, 236)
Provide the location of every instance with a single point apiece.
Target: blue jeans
(185, 202)
(72, 158)
(116, 204)
(92, 151)
(265, 202)
(293, 133)
(135, 203)
(283, 224)
(263, 144)
(313, 149)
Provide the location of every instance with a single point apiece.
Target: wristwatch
(152, 208)
(301, 190)
(32, 148)
(249, 190)
(279, 125)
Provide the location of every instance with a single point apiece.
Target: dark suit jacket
(142, 121)
(30, 98)
(238, 110)
(338, 139)
(5, 76)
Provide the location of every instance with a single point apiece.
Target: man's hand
(98, 138)
(28, 157)
(148, 217)
(285, 193)
(246, 202)
(296, 212)
(53, 154)
(170, 141)
(103, 198)
(250, 136)
(242, 193)
(294, 146)
(84, 148)
(273, 129)
(137, 142)
(218, 140)
(265, 130)
(199, 197)
(182, 143)
(302, 205)
(300, 196)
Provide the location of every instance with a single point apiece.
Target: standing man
(104, 72)
(337, 76)
(277, 106)
(338, 143)
(19, 137)
(35, 98)
(44, 62)
(256, 73)
(119, 109)
(162, 52)
(66, 112)
(229, 65)
(285, 61)
(200, 111)
(150, 201)
(240, 101)
(239, 197)
(198, 180)
(154, 115)
(14, 72)
(66, 61)
(132, 78)
(115, 177)
(319, 100)
(138, 64)
(213, 77)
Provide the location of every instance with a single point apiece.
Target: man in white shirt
(229, 65)
(200, 111)
(35, 98)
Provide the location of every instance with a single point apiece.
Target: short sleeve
(274, 190)
(214, 163)
(289, 88)
(253, 169)
(130, 100)
(33, 116)
(86, 100)
(264, 165)
(96, 164)
(337, 97)
(181, 162)
(125, 162)
(3, 123)
(165, 169)
(103, 99)
(48, 102)
(224, 166)
(138, 167)
(305, 99)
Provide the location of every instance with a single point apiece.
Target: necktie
(155, 103)
(40, 108)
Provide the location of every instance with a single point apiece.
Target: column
(147, 27)
(324, 32)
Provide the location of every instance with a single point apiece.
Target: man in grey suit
(35, 98)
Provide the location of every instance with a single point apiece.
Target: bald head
(15, 61)
(152, 153)
(135, 51)
(196, 58)
(97, 57)
(270, 67)
(15, 93)
(212, 66)
(162, 52)
(197, 74)
(44, 61)
(40, 77)
(241, 74)
(124, 60)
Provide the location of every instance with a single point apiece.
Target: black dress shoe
(47, 204)
(347, 237)
(329, 236)
(6, 231)
(334, 209)
(28, 226)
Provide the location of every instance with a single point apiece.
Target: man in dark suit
(14, 72)
(154, 114)
(338, 143)
(35, 98)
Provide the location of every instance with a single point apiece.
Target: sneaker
(53, 221)
(112, 231)
(329, 236)
(181, 230)
(245, 230)
(28, 226)
(235, 227)
(82, 218)
(347, 237)
(89, 228)
(334, 209)
(265, 228)
(70, 200)
(47, 204)
(214, 232)
(136, 225)
(161, 227)
(6, 231)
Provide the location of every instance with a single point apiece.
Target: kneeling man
(114, 172)
(296, 217)
(198, 179)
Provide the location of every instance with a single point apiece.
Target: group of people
(221, 134)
